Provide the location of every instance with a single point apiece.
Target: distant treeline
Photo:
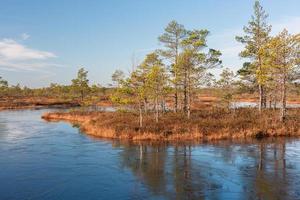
(79, 89)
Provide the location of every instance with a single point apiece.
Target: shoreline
(37, 107)
(111, 126)
(21, 103)
(42, 103)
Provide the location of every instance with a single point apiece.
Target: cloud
(15, 56)
(25, 36)
(12, 50)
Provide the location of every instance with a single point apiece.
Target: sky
(43, 42)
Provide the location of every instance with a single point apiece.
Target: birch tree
(157, 86)
(226, 83)
(138, 84)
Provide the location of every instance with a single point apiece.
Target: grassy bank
(205, 125)
(8, 103)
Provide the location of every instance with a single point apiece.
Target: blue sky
(47, 41)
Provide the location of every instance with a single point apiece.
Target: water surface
(242, 104)
(42, 160)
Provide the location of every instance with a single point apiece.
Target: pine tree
(172, 38)
(281, 57)
(193, 61)
(256, 35)
(81, 83)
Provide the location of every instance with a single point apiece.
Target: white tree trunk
(156, 110)
(283, 100)
(140, 115)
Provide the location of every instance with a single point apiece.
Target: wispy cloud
(25, 36)
(15, 56)
(12, 50)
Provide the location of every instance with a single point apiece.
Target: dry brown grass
(208, 124)
(34, 102)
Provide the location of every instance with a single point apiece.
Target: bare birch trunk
(188, 95)
(264, 99)
(176, 98)
(175, 73)
(163, 105)
(189, 107)
(140, 115)
(156, 110)
(82, 95)
(145, 105)
(260, 103)
(185, 93)
(283, 100)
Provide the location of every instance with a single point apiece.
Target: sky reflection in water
(41, 160)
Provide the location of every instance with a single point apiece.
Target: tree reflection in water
(224, 170)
